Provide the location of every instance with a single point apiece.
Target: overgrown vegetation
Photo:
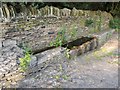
(60, 38)
(89, 22)
(114, 23)
(24, 61)
(99, 21)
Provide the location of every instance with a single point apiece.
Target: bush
(88, 22)
(114, 23)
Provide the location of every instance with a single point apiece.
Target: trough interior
(77, 42)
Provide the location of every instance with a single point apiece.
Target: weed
(57, 77)
(89, 22)
(114, 23)
(24, 62)
(60, 39)
(60, 67)
(65, 77)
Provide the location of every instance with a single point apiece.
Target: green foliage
(114, 23)
(65, 77)
(88, 22)
(57, 77)
(73, 32)
(60, 38)
(24, 62)
(99, 21)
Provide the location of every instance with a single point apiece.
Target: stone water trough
(76, 48)
(10, 52)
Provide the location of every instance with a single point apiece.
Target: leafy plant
(57, 77)
(114, 23)
(24, 62)
(60, 38)
(89, 22)
(65, 77)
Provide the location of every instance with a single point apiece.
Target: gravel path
(96, 69)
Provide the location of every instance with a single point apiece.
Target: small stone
(6, 61)
(15, 77)
(2, 70)
(6, 49)
(1, 59)
(9, 42)
(50, 81)
(33, 61)
(1, 75)
(7, 68)
(13, 64)
(0, 44)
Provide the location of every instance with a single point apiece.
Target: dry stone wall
(8, 13)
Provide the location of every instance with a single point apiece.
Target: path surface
(96, 69)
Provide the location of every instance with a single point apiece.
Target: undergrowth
(114, 23)
(24, 61)
(60, 38)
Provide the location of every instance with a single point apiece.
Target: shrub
(88, 22)
(114, 23)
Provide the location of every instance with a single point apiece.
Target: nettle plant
(24, 61)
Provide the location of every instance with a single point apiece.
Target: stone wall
(8, 13)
